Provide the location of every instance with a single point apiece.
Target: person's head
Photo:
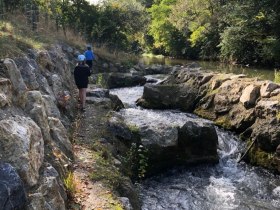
(81, 59)
(88, 48)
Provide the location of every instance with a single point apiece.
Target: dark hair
(81, 62)
(89, 48)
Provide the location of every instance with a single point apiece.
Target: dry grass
(16, 36)
(127, 59)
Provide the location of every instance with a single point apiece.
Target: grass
(70, 184)
(105, 171)
(125, 59)
(277, 76)
(16, 36)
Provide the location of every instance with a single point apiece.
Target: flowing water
(227, 185)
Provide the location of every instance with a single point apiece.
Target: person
(89, 57)
(81, 74)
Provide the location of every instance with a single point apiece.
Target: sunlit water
(261, 73)
(225, 186)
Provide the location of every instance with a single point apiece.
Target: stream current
(224, 186)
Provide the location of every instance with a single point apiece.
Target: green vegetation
(277, 76)
(70, 184)
(105, 171)
(261, 158)
(136, 161)
(244, 32)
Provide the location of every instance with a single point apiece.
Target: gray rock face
(15, 76)
(22, 145)
(60, 136)
(51, 193)
(28, 73)
(12, 192)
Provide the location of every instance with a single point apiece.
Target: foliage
(136, 161)
(70, 184)
(277, 76)
(245, 32)
(105, 170)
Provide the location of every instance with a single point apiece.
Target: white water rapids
(225, 186)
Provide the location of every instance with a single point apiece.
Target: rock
(250, 95)
(127, 189)
(105, 65)
(57, 86)
(35, 107)
(206, 78)
(117, 126)
(52, 190)
(167, 143)
(168, 97)
(60, 136)
(267, 134)
(15, 76)
(266, 107)
(28, 73)
(275, 92)
(125, 202)
(267, 88)
(198, 140)
(12, 192)
(98, 93)
(5, 92)
(103, 102)
(44, 60)
(116, 102)
(22, 145)
(118, 80)
(37, 201)
(50, 106)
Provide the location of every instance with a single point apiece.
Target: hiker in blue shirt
(89, 57)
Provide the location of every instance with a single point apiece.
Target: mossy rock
(207, 114)
(224, 122)
(261, 158)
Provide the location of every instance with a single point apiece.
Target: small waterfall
(225, 186)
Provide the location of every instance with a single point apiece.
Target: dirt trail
(90, 195)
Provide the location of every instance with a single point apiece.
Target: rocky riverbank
(245, 105)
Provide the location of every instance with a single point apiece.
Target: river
(227, 185)
(261, 73)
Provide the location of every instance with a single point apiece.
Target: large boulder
(183, 141)
(166, 96)
(22, 145)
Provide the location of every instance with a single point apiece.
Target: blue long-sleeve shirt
(89, 55)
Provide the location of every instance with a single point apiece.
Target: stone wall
(36, 110)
